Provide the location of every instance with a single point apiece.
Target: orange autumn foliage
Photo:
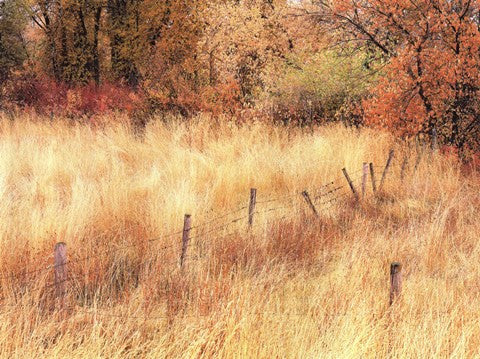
(430, 56)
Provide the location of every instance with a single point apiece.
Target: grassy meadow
(293, 286)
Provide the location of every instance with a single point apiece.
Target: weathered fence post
(309, 202)
(374, 181)
(60, 267)
(395, 281)
(364, 178)
(251, 206)
(350, 183)
(387, 166)
(185, 238)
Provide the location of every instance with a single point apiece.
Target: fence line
(220, 227)
(60, 265)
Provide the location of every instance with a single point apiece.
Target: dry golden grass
(292, 287)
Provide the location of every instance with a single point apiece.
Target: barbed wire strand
(221, 216)
(223, 226)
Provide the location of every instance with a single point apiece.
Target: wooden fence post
(387, 166)
(364, 178)
(374, 181)
(60, 267)
(350, 183)
(395, 281)
(310, 203)
(251, 207)
(185, 238)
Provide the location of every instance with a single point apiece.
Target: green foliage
(318, 86)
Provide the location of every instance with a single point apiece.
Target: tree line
(411, 66)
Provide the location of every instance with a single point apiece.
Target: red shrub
(26, 90)
(107, 98)
(46, 96)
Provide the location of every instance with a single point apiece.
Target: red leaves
(92, 99)
(432, 78)
(45, 96)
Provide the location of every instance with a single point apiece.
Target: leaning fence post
(251, 207)
(387, 166)
(350, 183)
(185, 237)
(309, 202)
(395, 281)
(364, 178)
(60, 266)
(372, 175)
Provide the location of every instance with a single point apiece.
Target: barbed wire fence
(225, 225)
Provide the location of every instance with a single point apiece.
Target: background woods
(409, 66)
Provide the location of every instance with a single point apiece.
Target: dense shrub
(46, 96)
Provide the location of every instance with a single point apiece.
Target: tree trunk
(96, 56)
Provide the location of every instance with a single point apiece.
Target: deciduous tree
(430, 49)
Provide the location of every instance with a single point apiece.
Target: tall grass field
(293, 285)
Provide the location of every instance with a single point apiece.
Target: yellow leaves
(244, 35)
